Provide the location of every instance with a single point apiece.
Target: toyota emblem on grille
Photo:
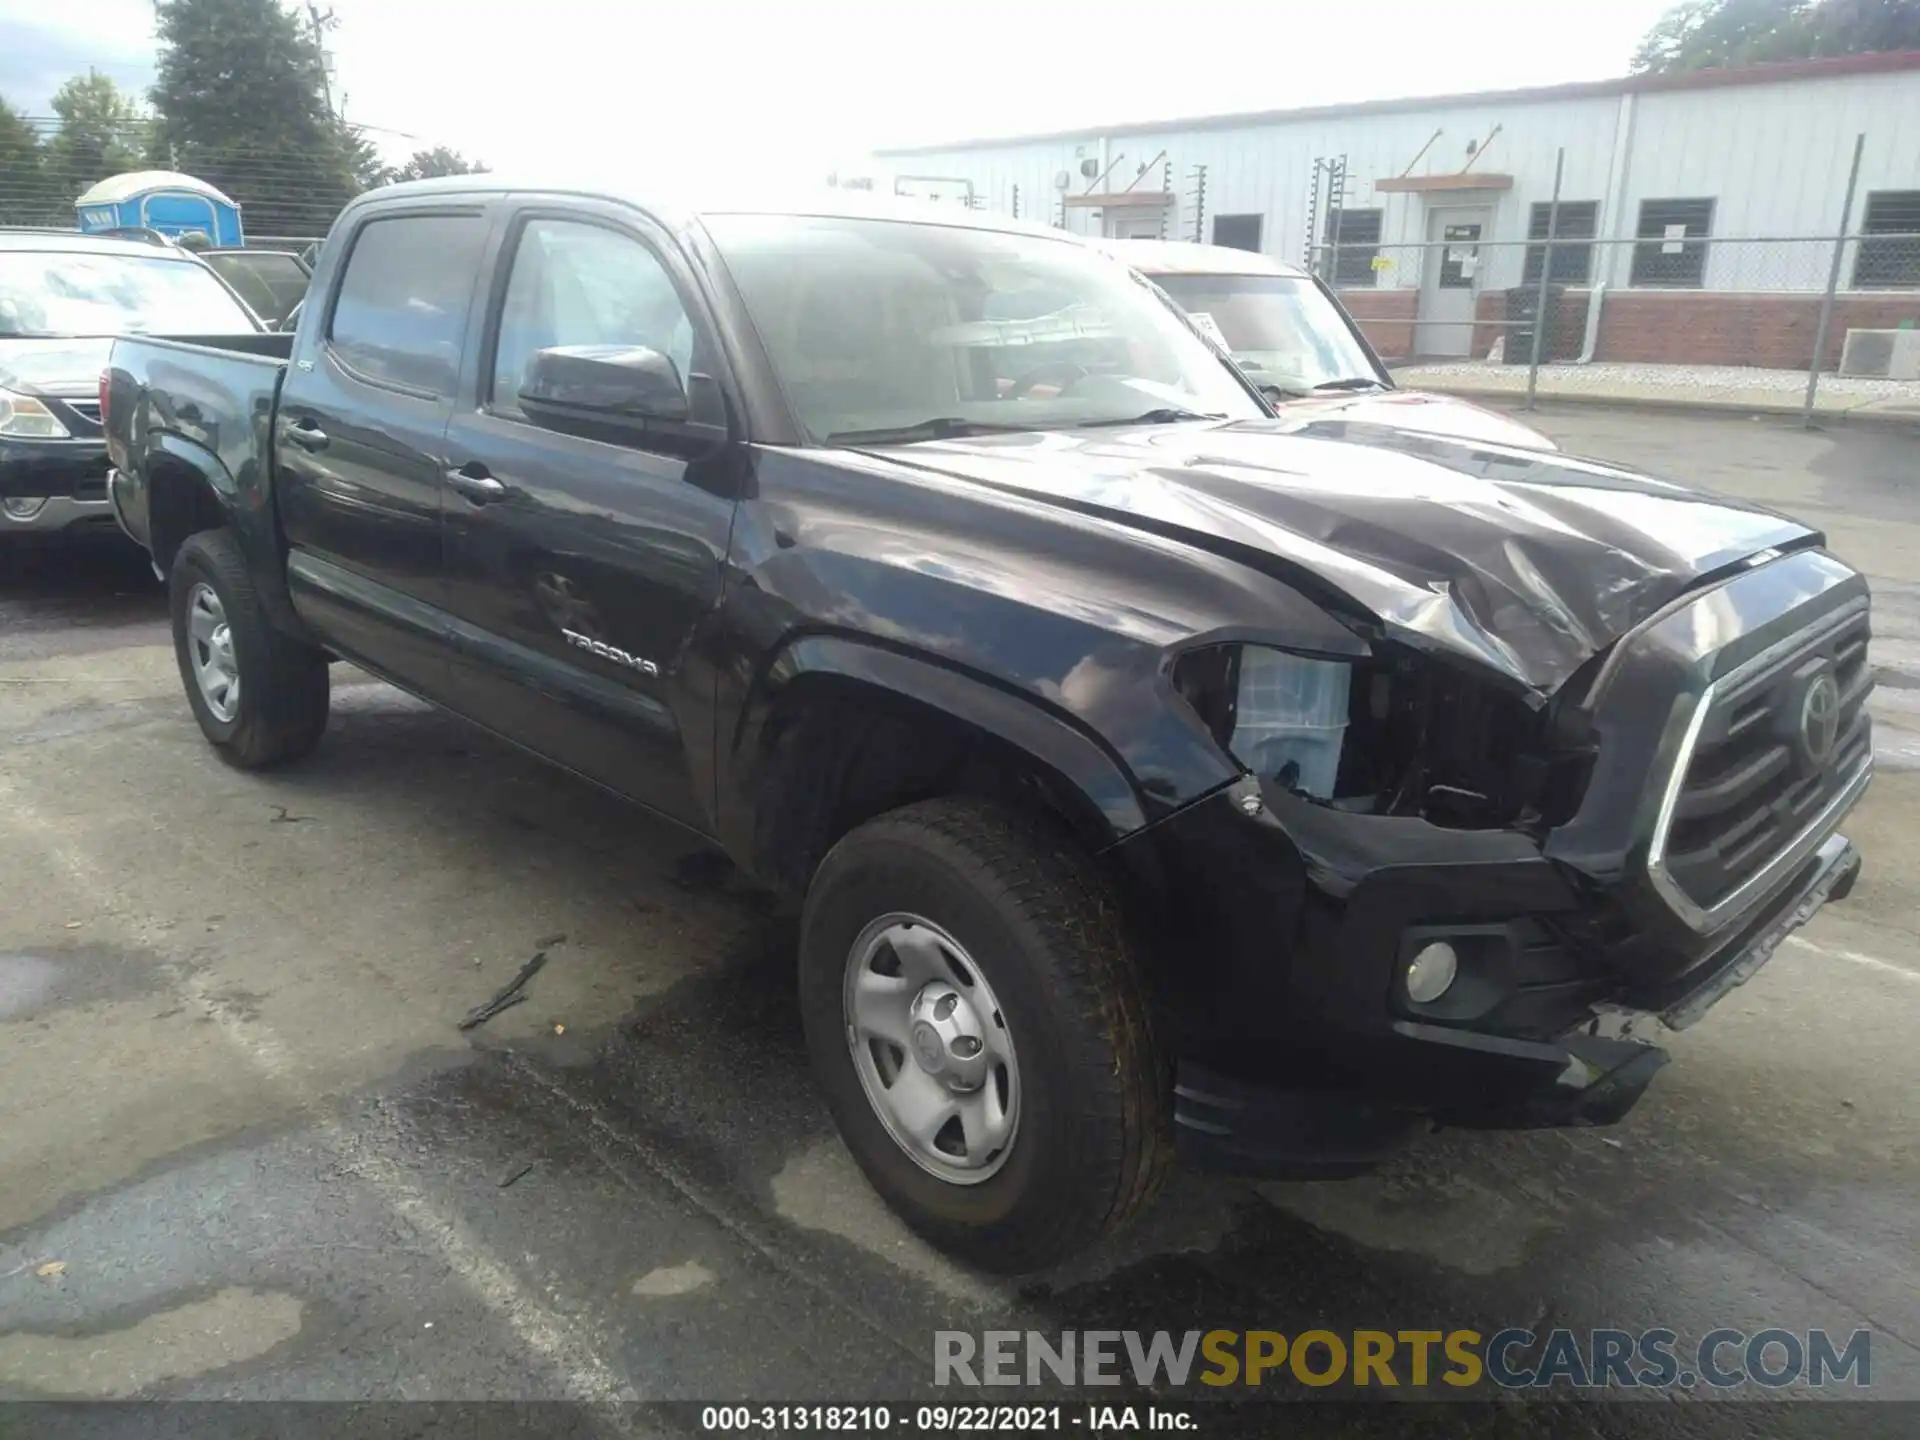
(1820, 719)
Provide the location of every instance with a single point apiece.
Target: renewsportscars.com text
(1512, 1358)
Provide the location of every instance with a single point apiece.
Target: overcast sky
(799, 88)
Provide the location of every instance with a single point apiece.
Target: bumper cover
(56, 514)
(1493, 1081)
(60, 469)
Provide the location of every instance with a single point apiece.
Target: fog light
(22, 509)
(1431, 972)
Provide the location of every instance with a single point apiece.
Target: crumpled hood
(54, 366)
(1526, 561)
(1418, 410)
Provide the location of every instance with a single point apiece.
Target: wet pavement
(244, 1151)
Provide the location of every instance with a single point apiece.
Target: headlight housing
(24, 418)
(1283, 716)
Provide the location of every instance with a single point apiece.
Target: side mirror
(292, 322)
(604, 383)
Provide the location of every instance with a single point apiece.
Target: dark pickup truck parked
(1149, 766)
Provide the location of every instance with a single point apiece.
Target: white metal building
(1716, 183)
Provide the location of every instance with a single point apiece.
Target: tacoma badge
(608, 652)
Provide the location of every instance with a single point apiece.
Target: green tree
(425, 164)
(242, 100)
(26, 198)
(1714, 34)
(102, 132)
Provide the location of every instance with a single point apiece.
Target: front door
(360, 435)
(579, 569)
(1450, 280)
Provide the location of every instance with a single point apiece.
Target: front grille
(86, 409)
(1760, 771)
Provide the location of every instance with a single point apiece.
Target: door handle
(307, 434)
(474, 481)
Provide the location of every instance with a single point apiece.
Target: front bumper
(53, 469)
(1476, 1079)
(53, 515)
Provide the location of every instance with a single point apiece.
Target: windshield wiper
(1164, 415)
(1352, 382)
(938, 427)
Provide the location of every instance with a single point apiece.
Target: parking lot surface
(244, 1151)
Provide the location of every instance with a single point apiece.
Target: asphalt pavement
(246, 1153)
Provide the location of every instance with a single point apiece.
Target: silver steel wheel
(210, 647)
(933, 1048)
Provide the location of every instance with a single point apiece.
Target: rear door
(580, 570)
(360, 436)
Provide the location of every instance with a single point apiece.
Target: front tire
(260, 696)
(978, 1018)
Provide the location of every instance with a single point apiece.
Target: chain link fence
(289, 196)
(1829, 323)
(1824, 324)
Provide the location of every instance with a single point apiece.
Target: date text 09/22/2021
(1093, 1419)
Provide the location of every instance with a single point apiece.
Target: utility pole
(320, 23)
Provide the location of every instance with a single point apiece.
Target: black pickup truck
(1153, 769)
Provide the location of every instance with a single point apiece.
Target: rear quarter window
(400, 318)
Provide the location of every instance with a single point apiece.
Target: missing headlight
(1290, 717)
(1282, 716)
(1392, 734)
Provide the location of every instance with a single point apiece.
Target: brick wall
(1565, 337)
(1663, 327)
(1702, 327)
(1386, 318)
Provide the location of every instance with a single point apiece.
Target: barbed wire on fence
(282, 190)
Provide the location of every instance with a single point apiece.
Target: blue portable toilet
(162, 200)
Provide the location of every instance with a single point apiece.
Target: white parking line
(1872, 962)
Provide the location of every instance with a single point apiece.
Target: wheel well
(179, 503)
(839, 752)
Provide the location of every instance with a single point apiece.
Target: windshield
(880, 325)
(66, 292)
(271, 281)
(1281, 329)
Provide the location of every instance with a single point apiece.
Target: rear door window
(401, 314)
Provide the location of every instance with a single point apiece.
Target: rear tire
(1015, 906)
(260, 696)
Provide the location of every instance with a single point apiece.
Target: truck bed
(268, 345)
(202, 401)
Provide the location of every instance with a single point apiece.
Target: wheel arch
(843, 729)
(188, 490)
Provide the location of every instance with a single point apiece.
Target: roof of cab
(679, 207)
(1183, 257)
(74, 242)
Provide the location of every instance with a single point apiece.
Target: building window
(1892, 263)
(1237, 232)
(1673, 251)
(1572, 262)
(1353, 240)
